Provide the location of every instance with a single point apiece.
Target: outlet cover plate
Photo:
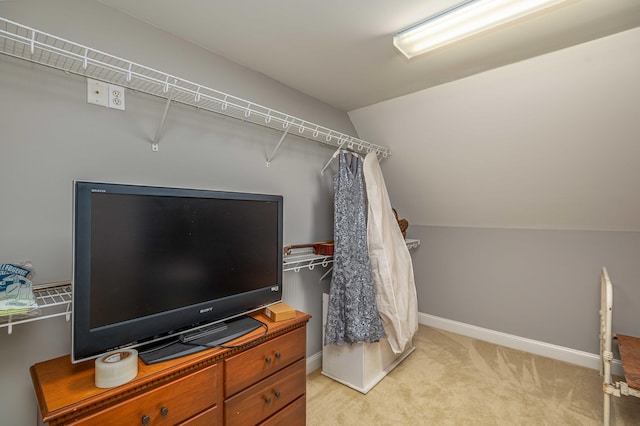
(97, 92)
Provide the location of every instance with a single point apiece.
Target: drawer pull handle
(268, 360)
(267, 400)
(277, 394)
(146, 420)
(278, 355)
(164, 411)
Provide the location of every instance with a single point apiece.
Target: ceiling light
(464, 20)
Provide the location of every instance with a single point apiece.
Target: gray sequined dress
(352, 314)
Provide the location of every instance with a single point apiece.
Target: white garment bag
(390, 261)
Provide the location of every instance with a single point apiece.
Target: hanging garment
(390, 262)
(352, 316)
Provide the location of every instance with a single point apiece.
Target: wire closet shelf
(54, 300)
(306, 258)
(35, 46)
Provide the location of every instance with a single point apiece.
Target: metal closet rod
(45, 49)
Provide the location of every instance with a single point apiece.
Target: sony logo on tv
(205, 310)
(98, 190)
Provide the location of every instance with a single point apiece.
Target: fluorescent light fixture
(464, 20)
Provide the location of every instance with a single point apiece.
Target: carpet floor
(456, 380)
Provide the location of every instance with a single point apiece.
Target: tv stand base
(199, 340)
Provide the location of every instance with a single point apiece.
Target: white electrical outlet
(116, 97)
(97, 93)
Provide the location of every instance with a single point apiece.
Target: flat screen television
(153, 264)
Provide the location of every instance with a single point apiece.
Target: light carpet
(456, 380)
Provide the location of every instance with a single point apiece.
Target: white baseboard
(561, 353)
(573, 356)
(314, 362)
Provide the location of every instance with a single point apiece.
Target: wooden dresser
(262, 382)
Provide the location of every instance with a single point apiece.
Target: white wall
(522, 182)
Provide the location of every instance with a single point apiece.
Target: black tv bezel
(88, 344)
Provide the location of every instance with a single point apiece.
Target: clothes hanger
(335, 154)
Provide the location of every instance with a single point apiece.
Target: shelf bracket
(273, 154)
(154, 146)
(326, 274)
(67, 314)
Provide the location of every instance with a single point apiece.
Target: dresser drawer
(255, 364)
(267, 397)
(166, 405)
(294, 414)
(206, 418)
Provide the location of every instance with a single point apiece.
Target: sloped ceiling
(341, 51)
(552, 142)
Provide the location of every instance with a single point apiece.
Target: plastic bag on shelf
(16, 290)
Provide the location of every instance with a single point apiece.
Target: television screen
(152, 262)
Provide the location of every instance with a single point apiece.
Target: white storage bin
(361, 365)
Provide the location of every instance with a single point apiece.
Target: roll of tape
(116, 368)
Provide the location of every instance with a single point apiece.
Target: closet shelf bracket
(154, 146)
(29, 44)
(275, 150)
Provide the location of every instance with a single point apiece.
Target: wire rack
(305, 258)
(412, 243)
(32, 45)
(53, 299)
